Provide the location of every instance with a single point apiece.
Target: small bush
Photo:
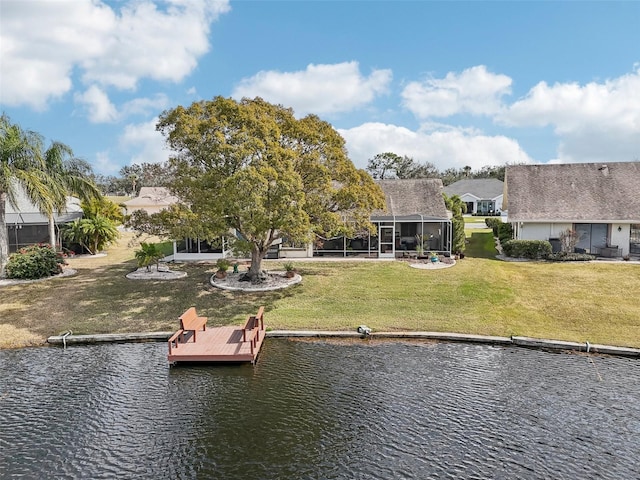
(570, 257)
(148, 254)
(504, 232)
(34, 261)
(533, 249)
(222, 264)
(493, 223)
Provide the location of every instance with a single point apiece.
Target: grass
(481, 295)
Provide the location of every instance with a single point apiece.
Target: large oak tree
(255, 168)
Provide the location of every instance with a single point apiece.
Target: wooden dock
(219, 344)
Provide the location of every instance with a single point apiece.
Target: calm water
(319, 410)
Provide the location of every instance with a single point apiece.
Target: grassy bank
(480, 295)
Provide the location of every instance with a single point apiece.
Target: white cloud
(475, 90)
(99, 107)
(595, 122)
(42, 42)
(143, 143)
(145, 105)
(444, 147)
(319, 89)
(103, 164)
(101, 110)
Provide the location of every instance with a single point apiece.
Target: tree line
(389, 165)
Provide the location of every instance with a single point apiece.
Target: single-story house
(599, 201)
(155, 199)
(483, 196)
(27, 226)
(415, 213)
(150, 199)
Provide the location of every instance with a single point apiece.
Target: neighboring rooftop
(408, 197)
(152, 196)
(573, 192)
(26, 213)
(481, 188)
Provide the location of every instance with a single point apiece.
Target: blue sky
(451, 83)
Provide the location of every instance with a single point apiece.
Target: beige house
(600, 201)
(150, 199)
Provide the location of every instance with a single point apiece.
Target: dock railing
(175, 339)
(252, 328)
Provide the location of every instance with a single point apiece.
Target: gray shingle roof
(574, 192)
(26, 213)
(483, 188)
(413, 197)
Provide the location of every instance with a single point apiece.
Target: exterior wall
(288, 252)
(621, 238)
(545, 231)
(193, 257)
(468, 198)
(498, 201)
(541, 231)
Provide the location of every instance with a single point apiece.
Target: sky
(452, 83)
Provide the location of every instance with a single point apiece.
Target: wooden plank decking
(220, 344)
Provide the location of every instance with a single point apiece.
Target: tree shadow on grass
(103, 300)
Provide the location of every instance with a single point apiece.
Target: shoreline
(516, 341)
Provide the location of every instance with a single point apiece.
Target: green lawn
(481, 295)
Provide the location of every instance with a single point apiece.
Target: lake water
(319, 410)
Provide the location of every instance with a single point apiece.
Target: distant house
(151, 200)
(27, 226)
(483, 196)
(599, 201)
(415, 212)
(155, 199)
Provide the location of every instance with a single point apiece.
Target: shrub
(568, 240)
(493, 223)
(504, 232)
(34, 261)
(570, 257)
(534, 249)
(93, 234)
(222, 264)
(148, 254)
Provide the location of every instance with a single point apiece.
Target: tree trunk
(52, 232)
(254, 274)
(4, 235)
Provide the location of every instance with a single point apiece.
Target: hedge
(570, 257)
(533, 249)
(504, 232)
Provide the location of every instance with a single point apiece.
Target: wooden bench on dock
(191, 322)
(252, 328)
(217, 344)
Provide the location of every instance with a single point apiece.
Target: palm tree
(62, 180)
(21, 166)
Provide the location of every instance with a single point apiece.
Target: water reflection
(319, 410)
